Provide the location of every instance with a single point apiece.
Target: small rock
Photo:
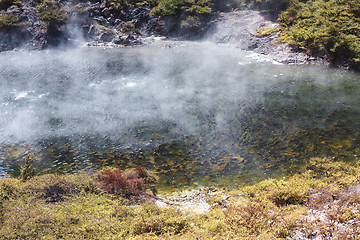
(13, 9)
(101, 20)
(111, 19)
(118, 22)
(106, 12)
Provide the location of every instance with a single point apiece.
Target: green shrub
(9, 20)
(173, 7)
(52, 13)
(26, 171)
(167, 7)
(329, 27)
(127, 27)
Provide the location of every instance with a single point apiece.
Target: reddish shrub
(115, 181)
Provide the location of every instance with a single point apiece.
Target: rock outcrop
(243, 28)
(92, 22)
(97, 23)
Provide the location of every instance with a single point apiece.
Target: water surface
(197, 113)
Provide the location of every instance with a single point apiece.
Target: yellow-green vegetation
(52, 13)
(127, 27)
(103, 28)
(267, 31)
(9, 20)
(76, 207)
(330, 27)
(192, 9)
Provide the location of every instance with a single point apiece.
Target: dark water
(196, 113)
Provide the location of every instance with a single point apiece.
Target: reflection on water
(194, 112)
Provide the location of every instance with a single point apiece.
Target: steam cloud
(81, 91)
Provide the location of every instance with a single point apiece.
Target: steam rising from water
(80, 91)
(132, 95)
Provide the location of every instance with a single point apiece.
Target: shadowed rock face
(95, 23)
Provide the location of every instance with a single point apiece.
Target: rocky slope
(98, 23)
(94, 22)
(243, 28)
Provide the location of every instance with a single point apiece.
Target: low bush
(189, 10)
(324, 27)
(56, 188)
(53, 14)
(9, 20)
(131, 183)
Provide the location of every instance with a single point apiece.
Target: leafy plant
(116, 181)
(52, 13)
(9, 20)
(191, 8)
(26, 171)
(328, 27)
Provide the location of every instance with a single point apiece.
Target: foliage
(273, 5)
(190, 10)
(52, 13)
(328, 27)
(26, 171)
(272, 209)
(131, 183)
(261, 220)
(127, 27)
(172, 7)
(55, 188)
(103, 28)
(267, 31)
(167, 7)
(9, 20)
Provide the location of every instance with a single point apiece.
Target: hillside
(324, 29)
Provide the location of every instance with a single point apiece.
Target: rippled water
(194, 112)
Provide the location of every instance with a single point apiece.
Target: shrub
(9, 20)
(174, 7)
(118, 182)
(127, 27)
(52, 13)
(167, 7)
(9, 189)
(26, 171)
(55, 188)
(324, 27)
(260, 219)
